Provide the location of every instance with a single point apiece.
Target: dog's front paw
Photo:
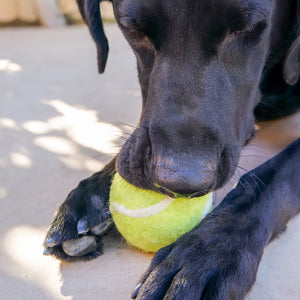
(216, 260)
(81, 220)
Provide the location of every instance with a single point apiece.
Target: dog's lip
(200, 194)
(166, 191)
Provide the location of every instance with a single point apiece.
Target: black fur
(90, 12)
(205, 68)
(81, 203)
(210, 61)
(219, 258)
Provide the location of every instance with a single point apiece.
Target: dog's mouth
(208, 173)
(172, 194)
(153, 161)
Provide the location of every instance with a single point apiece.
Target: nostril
(148, 153)
(224, 167)
(223, 157)
(134, 159)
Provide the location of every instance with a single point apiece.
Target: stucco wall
(69, 8)
(46, 12)
(25, 10)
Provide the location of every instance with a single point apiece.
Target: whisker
(274, 108)
(122, 124)
(246, 185)
(255, 180)
(253, 155)
(252, 175)
(256, 145)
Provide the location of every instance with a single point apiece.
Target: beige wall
(69, 8)
(47, 12)
(11, 10)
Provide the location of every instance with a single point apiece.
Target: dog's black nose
(181, 162)
(185, 176)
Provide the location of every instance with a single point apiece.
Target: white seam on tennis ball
(207, 206)
(153, 209)
(143, 212)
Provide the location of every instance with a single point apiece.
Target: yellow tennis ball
(149, 220)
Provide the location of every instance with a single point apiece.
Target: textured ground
(59, 122)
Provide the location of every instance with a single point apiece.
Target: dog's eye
(128, 23)
(257, 29)
(132, 29)
(252, 34)
(136, 36)
(236, 46)
(145, 29)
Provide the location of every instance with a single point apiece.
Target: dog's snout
(185, 177)
(179, 163)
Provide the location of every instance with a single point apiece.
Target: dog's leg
(82, 219)
(220, 257)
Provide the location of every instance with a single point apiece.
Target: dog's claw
(136, 291)
(80, 247)
(102, 227)
(47, 251)
(82, 225)
(79, 222)
(50, 242)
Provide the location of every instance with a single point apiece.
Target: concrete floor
(59, 122)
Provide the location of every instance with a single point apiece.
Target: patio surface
(59, 122)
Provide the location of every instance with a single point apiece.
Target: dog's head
(200, 63)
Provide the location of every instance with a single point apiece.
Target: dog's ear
(90, 12)
(291, 68)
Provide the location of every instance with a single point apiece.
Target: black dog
(205, 67)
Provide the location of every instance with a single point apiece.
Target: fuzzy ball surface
(149, 220)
